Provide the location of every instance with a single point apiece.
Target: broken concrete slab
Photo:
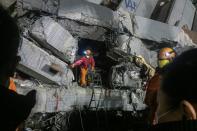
(36, 62)
(182, 13)
(49, 6)
(60, 99)
(152, 30)
(135, 46)
(89, 13)
(79, 30)
(159, 32)
(54, 37)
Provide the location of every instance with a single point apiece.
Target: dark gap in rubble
(86, 120)
(103, 63)
(152, 45)
(21, 76)
(162, 10)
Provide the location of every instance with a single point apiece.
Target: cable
(81, 118)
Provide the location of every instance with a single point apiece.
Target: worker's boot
(84, 85)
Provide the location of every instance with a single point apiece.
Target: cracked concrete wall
(135, 46)
(78, 10)
(152, 30)
(159, 34)
(88, 13)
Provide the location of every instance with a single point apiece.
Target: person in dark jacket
(14, 108)
(165, 56)
(177, 97)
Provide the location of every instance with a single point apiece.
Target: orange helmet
(165, 56)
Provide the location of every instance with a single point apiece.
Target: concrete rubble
(54, 37)
(51, 99)
(37, 63)
(79, 30)
(52, 30)
(142, 8)
(148, 29)
(58, 39)
(92, 14)
(74, 9)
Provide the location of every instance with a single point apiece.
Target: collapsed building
(124, 36)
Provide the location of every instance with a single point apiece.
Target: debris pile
(51, 35)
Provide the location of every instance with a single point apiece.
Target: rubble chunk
(54, 37)
(36, 63)
(61, 99)
(83, 31)
(49, 6)
(88, 13)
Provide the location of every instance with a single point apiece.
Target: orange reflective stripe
(12, 85)
(83, 76)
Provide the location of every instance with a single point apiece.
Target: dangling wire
(81, 118)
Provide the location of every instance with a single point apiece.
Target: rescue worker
(177, 98)
(165, 56)
(86, 63)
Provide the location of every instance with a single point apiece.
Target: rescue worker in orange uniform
(86, 63)
(165, 56)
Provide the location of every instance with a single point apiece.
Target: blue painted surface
(130, 5)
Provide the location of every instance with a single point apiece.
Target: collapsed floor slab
(88, 13)
(81, 30)
(38, 64)
(152, 30)
(50, 99)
